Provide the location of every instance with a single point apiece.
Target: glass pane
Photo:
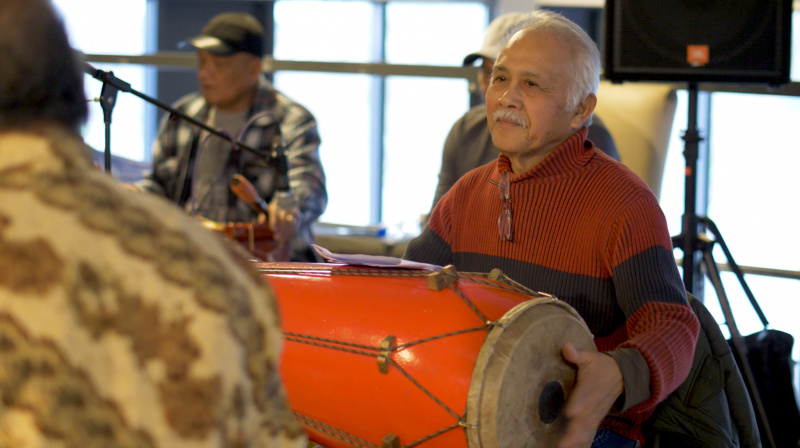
(91, 32)
(342, 31)
(778, 298)
(672, 186)
(795, 70)
(105, 26)
(344, 119)
(341, 103)
(419, 114)
(754, 182)
(434, 33)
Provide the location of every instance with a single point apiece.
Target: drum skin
(336, 318)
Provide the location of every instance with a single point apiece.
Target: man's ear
(584, 110)
(255, 65)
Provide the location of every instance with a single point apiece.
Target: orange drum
(381, 357)
(255, 237)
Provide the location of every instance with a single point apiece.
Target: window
(381, 138)
(433, 33)
(419, 114)
(420, 111)
(90, 32)
(341, 105)
(342, 31)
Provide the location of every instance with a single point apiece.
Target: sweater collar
(572, 154)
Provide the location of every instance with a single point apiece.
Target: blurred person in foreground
(193, 168)
(556, 214)
(469, 144)
(123, 322)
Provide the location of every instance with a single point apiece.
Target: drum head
(521, 382)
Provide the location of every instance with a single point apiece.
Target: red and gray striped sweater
(589, 231)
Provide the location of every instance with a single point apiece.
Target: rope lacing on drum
(357, 441)
(495, 279)
(425, 391)
(471, 305)
(498, 279)
(335, 344)
(333, 432)
(382, 272)
(376, 352)
(441, 336)
(367, 350)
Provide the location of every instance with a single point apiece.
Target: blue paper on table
(372, 260)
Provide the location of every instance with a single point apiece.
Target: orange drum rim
(498, 394)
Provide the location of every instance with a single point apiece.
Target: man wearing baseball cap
(194, 169)
(469, 144)
(229, 33)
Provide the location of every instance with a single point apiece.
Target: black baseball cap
(229, 33)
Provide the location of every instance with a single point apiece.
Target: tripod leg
(738, 342)
(735, 269)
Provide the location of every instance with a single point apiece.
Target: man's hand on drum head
(597, 387)
(283, 223)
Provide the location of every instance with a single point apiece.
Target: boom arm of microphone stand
(109, 79)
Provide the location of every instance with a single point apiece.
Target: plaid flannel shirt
(177, 141)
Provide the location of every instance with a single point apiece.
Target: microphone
(280, 162)
(283, 196)
(245, 191)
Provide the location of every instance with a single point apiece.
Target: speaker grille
(746, 40)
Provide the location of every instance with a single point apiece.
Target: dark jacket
(712, 407)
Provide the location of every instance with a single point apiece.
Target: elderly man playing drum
(559, 216)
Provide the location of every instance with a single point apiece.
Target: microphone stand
(112, 84)
(108, 99)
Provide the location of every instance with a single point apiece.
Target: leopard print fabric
(124, 323)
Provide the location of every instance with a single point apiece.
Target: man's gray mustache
(514, 117)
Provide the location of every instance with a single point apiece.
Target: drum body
(376, 358)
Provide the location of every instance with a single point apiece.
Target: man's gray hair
(585, 69)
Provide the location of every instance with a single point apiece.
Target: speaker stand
(697, 251)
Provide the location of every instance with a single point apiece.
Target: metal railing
(188, 61)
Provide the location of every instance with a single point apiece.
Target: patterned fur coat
(123, 323)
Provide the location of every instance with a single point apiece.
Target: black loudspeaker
(741, 41)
